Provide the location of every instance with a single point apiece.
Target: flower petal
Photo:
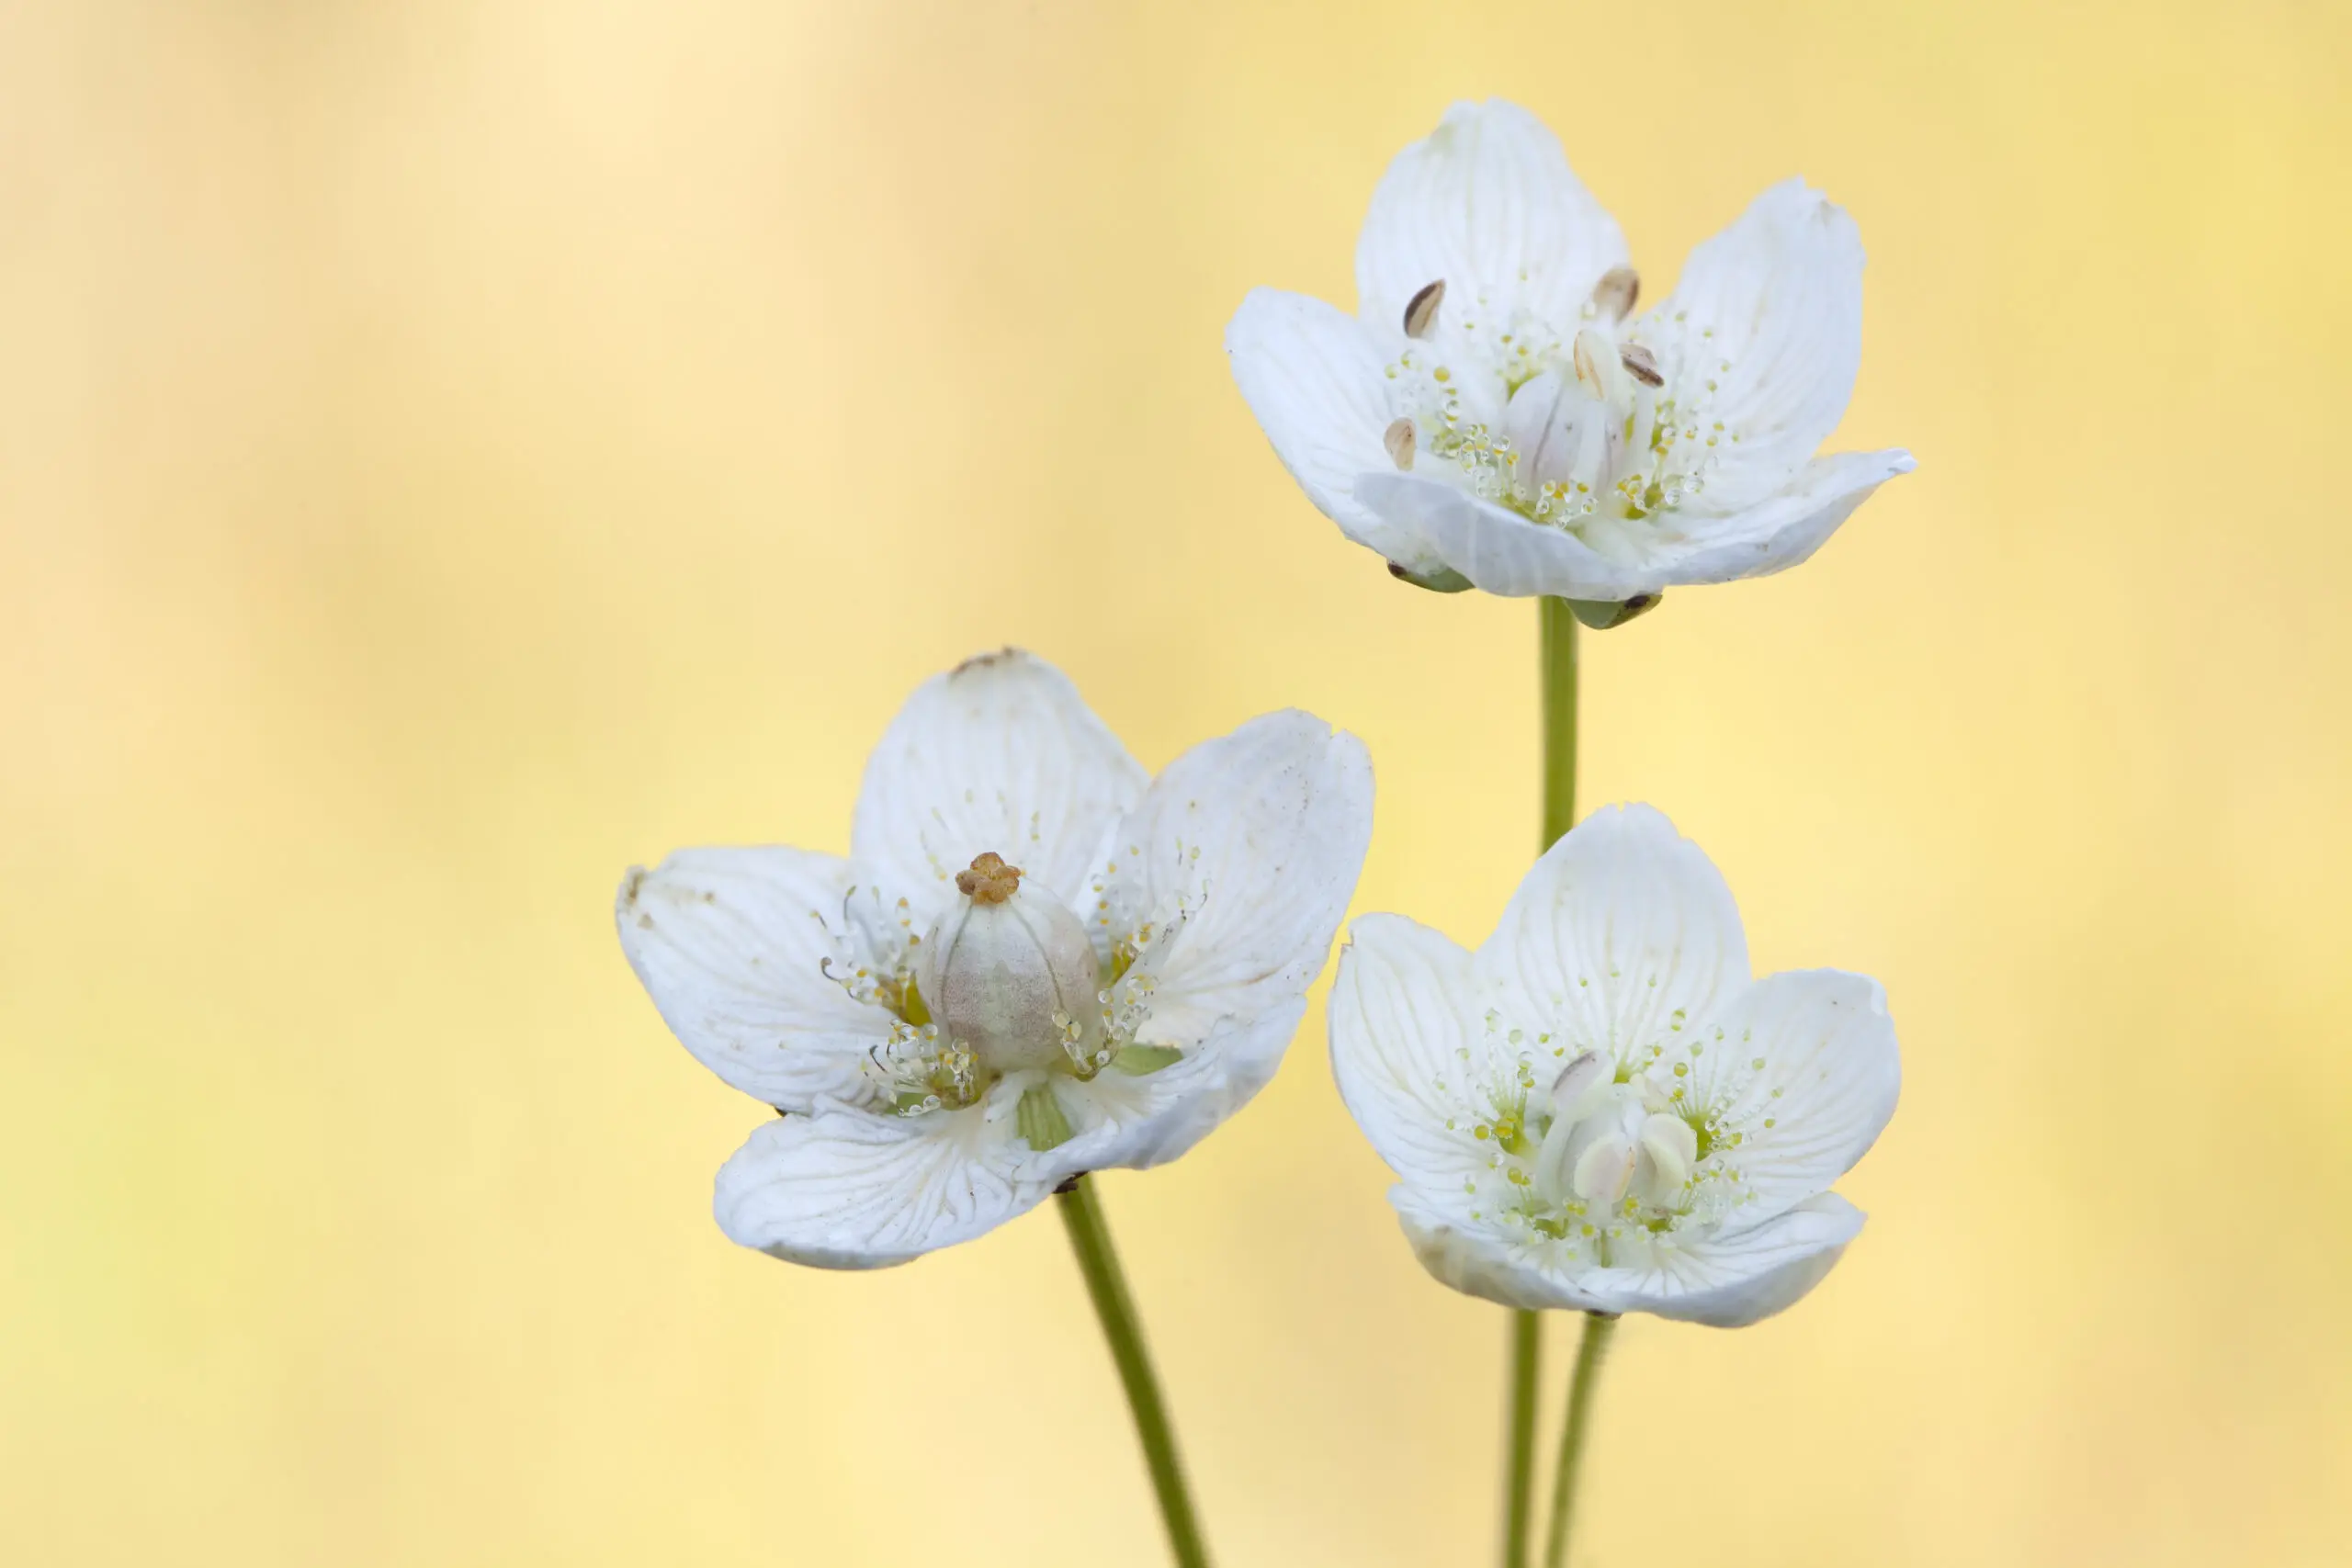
(1812, 1053)
(1487, 204)
(1138, 1122)
(1777, 298)
(1785, 529)
(1620, 935)
(849, 1189)
(999, 754)
(729, 943)
(1315, 378)
(1480, 1262)
(1407, 1049)
(1259, 836)
(1496, 549)
(1729, 1282)
(1245, 853)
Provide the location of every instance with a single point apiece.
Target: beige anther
(1399, 439)
(1615, 295)
(1421, 310)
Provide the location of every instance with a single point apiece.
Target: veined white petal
(1505, 554)
(1729, 1282)
(1778, 299)
(1782, 530)
(1487, 204)
(1314, 377)
(1480, 1261)
(1805, 1066)
(999, 754)
(1621, 936)
(1244, 855)
(729, 943)
(1259, 836)
(1498, 550)
(1138, 1122)
(850, 1189)
(1408, 1052)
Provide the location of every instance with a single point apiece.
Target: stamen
(1605, 1171)
(1421, 310)
(1615, 295)
(1672, 1148)
(1587, 355)
(1399, 439)
(1613, 442)
(1584, 1074)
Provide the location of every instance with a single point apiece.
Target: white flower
(1495, 411)
(1037, 961)
(1598, 1109)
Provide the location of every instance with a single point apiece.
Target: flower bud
(1009, 974)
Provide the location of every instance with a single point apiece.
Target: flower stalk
(1590, 1350)
(1557, 655)
(1519, 1484)
(1559, 697)
(1106, 1284)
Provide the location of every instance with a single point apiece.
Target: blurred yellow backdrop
(451, 451)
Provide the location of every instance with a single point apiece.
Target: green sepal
(1039, 1118)
(1135, 1061)
(1602, 614)
(1444, 580)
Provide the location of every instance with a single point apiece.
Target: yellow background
(449, 452)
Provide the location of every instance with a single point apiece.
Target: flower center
(1608, 1151)
(1584, 428)
(1006, 981)
(1617, 1164)
(1008, 976)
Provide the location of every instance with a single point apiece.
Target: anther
(1615, 295)
(990, 881)
(1672, 1149)
(1583, 1074)
(1605, 1170)
(1588, 368)
(1641, 363)
(1421, 310)
(1399, 439)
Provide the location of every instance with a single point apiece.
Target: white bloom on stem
(1495, 411)
(1600, 1110)
(1037, 961)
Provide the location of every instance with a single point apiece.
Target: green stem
(1598, 1326)
(1559, 719)
(1089, 1237)
(1557, 669)
(1526, 1379)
